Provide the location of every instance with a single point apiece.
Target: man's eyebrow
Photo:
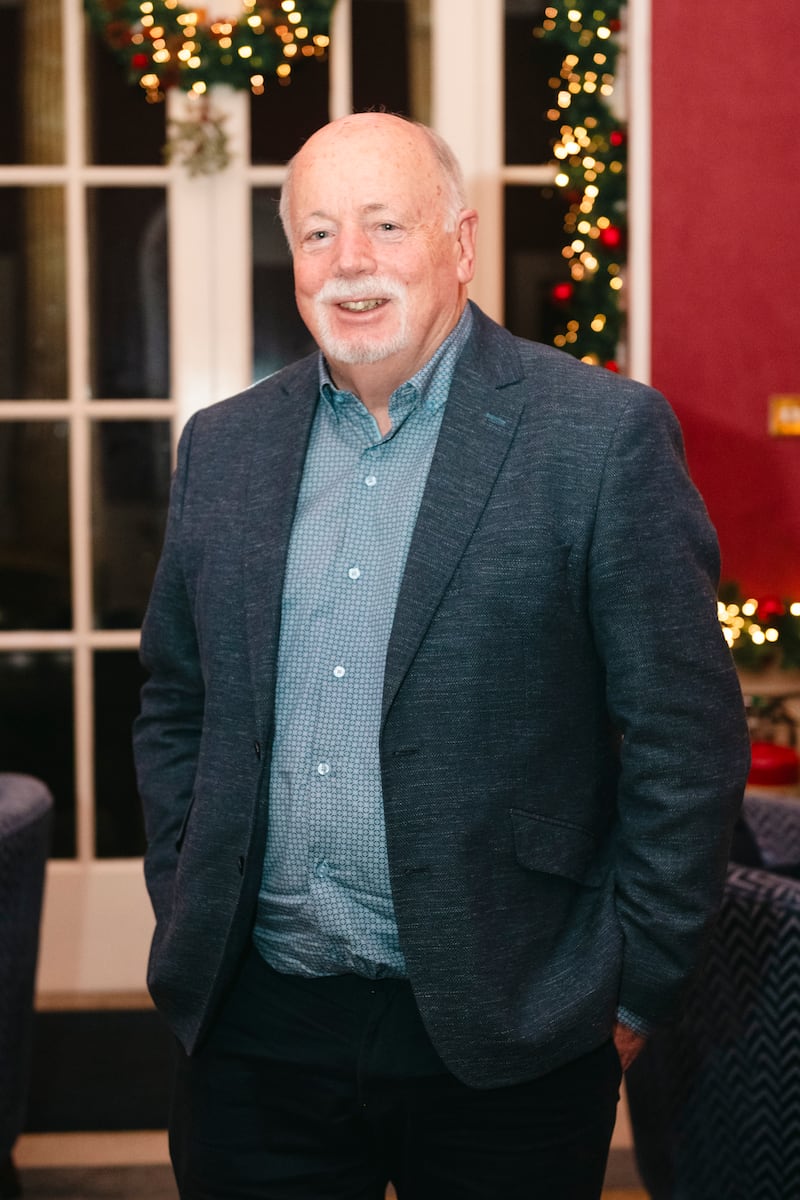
(366, 210)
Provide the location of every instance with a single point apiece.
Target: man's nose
(356, 255)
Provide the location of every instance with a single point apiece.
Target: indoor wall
(725, 262)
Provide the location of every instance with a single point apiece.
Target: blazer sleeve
(167, 731)
(674, 696)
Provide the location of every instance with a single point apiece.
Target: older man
(441, 746)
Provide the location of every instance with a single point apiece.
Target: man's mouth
(360, 305)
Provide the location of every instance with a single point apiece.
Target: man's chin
(356, 352)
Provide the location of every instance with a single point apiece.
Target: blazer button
(241, 864)
(257, 749)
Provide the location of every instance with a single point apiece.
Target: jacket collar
(480, 420)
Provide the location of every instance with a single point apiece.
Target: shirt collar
(418, 391)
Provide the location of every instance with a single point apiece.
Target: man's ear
(466, 232)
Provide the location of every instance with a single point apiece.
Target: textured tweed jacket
(563, 746)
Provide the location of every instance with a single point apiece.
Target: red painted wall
(726, 267)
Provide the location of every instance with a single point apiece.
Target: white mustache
(372, 287)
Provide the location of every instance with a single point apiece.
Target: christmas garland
(590, 155)
(761, 632)
(163, 43)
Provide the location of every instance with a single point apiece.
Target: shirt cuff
(637, 1024)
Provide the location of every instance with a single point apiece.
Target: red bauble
(769, 608)
(562, 293)
(611, 237)
(616, 137)
(611, 366)
(140, 61)
(615, 25)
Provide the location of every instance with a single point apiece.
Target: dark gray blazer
(563, 746)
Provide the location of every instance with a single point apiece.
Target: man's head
(383, 246)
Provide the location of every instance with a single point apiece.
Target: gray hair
(452, 175)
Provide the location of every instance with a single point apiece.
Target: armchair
(25, 815)
(715, 1097)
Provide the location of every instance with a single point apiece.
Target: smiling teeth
(360, 305)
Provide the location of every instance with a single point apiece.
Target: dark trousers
(328, 1088)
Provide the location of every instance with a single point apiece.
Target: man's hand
(628, 1044)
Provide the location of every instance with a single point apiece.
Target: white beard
(355, 349)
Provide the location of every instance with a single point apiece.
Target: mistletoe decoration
(589, 152)
(164, 44)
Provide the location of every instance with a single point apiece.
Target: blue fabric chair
(25, 817)
(715, 1097)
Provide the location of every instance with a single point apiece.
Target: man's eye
(388, 226)
(318, 235)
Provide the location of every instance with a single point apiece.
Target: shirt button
(339, 671)
(370, 481)
(323, 768)
(354, 572)
(321, 869)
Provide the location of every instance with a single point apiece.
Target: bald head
(386, 132)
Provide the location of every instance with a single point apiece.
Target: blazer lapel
(480, 419)
(280, 439)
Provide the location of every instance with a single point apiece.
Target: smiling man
(435, 830)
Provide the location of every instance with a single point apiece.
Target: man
(442, 745)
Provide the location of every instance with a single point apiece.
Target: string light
(760, 632)
(164, 43)
(589, 150)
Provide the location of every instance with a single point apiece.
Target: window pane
(34, 526)
(120, 828)
(284, 116)
(123, 127)
(33, 346)
(130, 478)
(36, 731)
(129, 293)
(279, 336)
(380, 56)
(534, 221)
(530, 63)
(31, 83)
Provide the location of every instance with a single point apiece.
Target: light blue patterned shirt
(325, 902)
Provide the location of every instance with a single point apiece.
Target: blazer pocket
(184, 825)
(557, 848)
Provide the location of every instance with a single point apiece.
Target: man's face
(378, 278)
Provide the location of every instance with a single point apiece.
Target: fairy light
(589, 153)
(172, 43)
(760, 632)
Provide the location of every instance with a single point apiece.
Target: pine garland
(590, 153)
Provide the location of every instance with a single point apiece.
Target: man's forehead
(366, 210)
(365, 188)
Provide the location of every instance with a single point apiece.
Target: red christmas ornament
(611, 237)
(140, 61)
(615, 25)
(616, 137)
(562, 293)
(611, 366)
(769, 608)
